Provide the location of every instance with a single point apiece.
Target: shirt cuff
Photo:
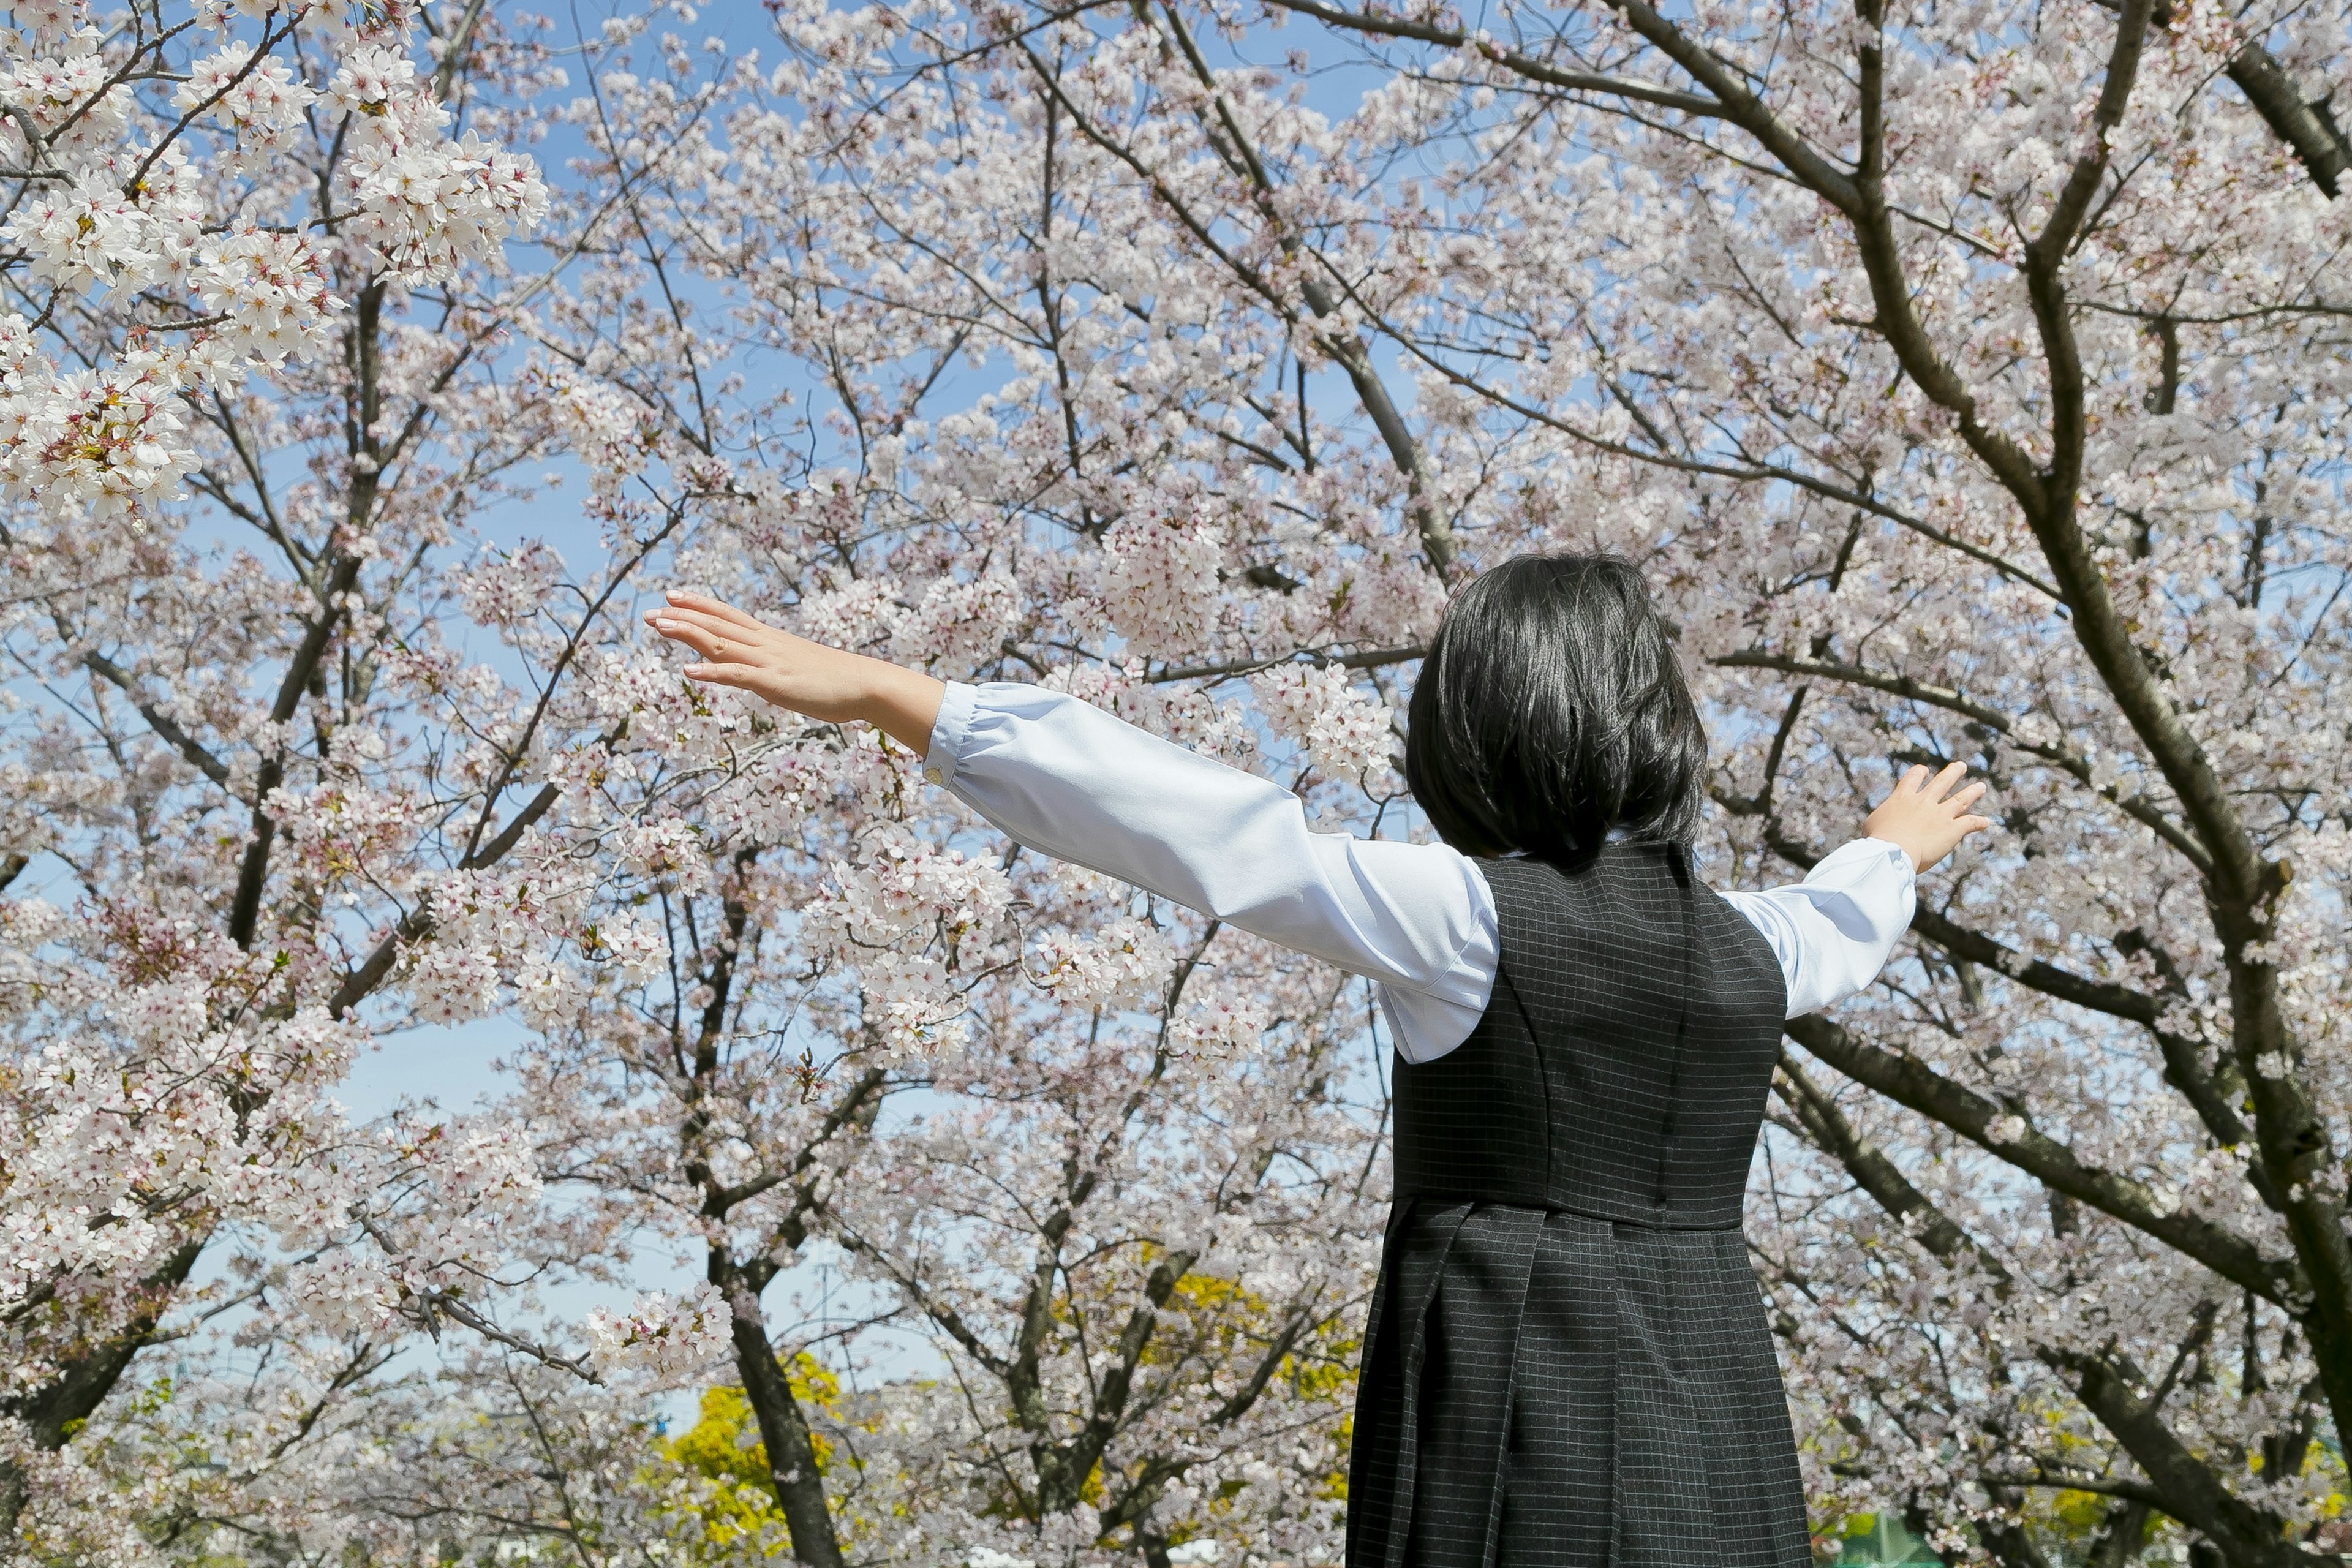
(1861, 856)
(1866, 888)
(950, 733)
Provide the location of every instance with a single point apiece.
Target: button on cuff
(951, 732)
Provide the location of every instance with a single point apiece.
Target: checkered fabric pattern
(1569, 1362)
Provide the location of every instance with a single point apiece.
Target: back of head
(1551, 710)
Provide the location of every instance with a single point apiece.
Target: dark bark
(366, 456)
(2005, 1538)
(56, 1410)
(783, 1430)
(2112, 1390)
(1835, 1135)
(2121, 1534)
(1911, 1083)
(166, 730)
(2121, 1397)
(2309, 127)
(793, 1474)
(1063, 1467)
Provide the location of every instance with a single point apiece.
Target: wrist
(902, 703)
(1911, 854)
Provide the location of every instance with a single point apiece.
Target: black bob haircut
(1551, 709)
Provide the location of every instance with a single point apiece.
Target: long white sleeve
(1076, 783)
(1073, 781)
(1833, 930)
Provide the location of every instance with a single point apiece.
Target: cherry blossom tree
(258, 307)
(2015, 420)
(382, 767)
(1136, 1205)
(1970, 380)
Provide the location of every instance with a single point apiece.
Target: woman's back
(1621, 1069)
(1568, 1360)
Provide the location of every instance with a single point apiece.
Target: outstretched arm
(1076, 783)
(1833, 931)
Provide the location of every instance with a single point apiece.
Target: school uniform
(1566, 1360)
(1569, 1362)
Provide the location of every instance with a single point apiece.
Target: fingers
(707, 635)
(713, 624)
(740, 676)
(705, 644)
(718, 609)
(1916, 780)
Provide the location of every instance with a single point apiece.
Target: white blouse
(1073, 781)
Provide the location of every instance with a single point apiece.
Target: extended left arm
(735, 650)
(1074, 782)
(1833, 930)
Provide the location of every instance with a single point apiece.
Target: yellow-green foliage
(1321, 1364)
(1213, 1319)
(723, 1446)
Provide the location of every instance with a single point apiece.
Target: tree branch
(2138, 807)
(1918, 1214)
(2307, 128)
(1512, 60)
(187, 745)
(1911, 1083)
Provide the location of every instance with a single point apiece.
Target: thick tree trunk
(56, 1409)
(783, 1429)
(2309, 127)
(2120, 1534)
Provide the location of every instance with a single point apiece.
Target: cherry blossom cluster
(206, 216)
(661, 1333)
(1346, 733)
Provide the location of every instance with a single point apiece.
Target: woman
(1567, 1361)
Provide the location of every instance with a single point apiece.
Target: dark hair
(1549, 710)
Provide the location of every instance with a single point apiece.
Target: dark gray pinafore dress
(1567, 1362)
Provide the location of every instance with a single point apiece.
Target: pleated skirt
(1543, 1389)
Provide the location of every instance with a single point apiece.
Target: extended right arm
(1081, 784)
(1077, 783)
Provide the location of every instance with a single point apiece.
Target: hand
(1919, 818)
(734, 649)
